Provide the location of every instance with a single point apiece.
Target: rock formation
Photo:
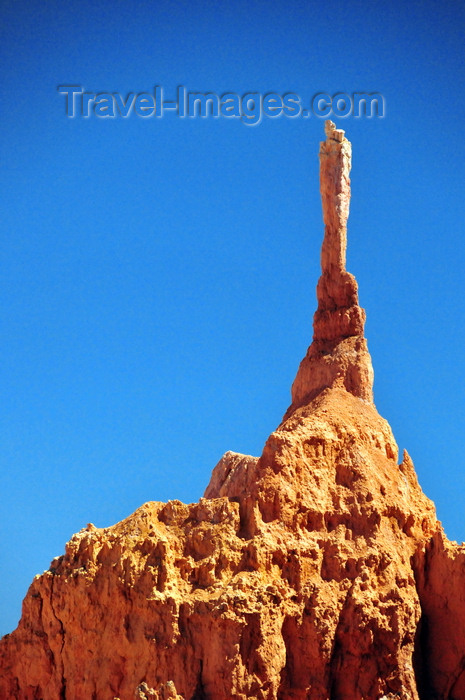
(316, 571)
(338, 355)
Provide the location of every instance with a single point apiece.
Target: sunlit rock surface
(316, 571)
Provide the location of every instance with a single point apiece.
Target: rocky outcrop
(316, 571)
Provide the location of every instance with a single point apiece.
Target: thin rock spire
(338, 355)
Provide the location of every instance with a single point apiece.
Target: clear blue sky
(157, 276)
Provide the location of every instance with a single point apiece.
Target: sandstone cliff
(316, 571)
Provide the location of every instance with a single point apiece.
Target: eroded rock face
(316, 571)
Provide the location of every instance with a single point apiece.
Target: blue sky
(157, 276)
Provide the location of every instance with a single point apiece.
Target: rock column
(338, 355)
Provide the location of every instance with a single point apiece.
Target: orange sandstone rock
(315, 572)
(338, 355)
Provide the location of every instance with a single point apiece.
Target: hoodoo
(338, 355)
(317, 571)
